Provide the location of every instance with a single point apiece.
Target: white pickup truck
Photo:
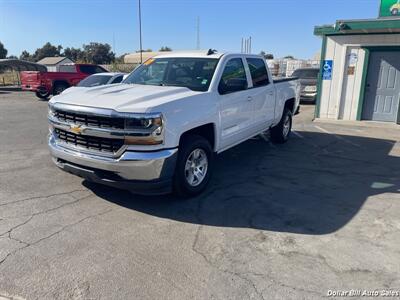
(159, 130)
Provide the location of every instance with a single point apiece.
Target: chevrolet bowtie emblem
(76, 129)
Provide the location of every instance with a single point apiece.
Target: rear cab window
(306, 73)
(89, 69)
(258, 71)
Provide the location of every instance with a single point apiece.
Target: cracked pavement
(277, 222)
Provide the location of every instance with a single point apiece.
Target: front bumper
(139, 172)
(308, 96)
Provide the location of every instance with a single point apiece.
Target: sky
(280, 27)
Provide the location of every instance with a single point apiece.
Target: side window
(91, 69)
(117, 79)
(233, 78)
(258, 72)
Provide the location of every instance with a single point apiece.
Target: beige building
(134, 58)
(53, 63)
(360, 70)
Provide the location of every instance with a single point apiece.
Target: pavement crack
(26, 245)
(42, 197)
(237, 274)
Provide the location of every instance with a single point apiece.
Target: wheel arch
(207, 131)
(58, 82)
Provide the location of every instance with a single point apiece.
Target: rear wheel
(395, 11)
(281, 132)
(194, 166)
(59, 88)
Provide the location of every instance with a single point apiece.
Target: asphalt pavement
(293, 221)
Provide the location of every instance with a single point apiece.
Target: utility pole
(249, 45)
(140, 33)
(198, 34)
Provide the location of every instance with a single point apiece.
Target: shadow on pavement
(314, 184)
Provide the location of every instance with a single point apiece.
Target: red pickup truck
(46, 83)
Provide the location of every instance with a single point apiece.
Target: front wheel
(42, 94)
(395, 11)
(281, 132)
(194, 166)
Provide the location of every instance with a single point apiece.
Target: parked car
(97, 80)
(45, 84)
(308, 78)
(160, 129)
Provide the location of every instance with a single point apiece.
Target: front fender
(186, 114)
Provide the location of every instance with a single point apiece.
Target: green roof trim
(343, 27)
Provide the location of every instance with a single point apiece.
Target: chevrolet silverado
(160, 129)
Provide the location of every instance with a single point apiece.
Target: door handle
(271, 93)
(249, 98)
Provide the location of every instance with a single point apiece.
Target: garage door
(382, 91)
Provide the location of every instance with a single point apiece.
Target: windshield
(94, 80)
(192, 73)
(304, 73)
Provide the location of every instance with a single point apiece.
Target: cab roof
(192, 54)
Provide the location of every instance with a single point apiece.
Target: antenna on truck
(211, 51)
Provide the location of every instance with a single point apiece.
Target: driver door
(236, 105)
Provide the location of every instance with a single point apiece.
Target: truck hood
(124, 97)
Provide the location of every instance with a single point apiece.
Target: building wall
(340, 96)
(55, 68)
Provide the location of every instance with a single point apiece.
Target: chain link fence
(123, 68)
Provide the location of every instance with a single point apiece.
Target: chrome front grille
(91, 143)
(89, 120)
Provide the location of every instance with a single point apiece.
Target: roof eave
(374, 26)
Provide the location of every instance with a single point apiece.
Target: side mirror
(232, 85)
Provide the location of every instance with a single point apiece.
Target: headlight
(144, 130)
(51, 110)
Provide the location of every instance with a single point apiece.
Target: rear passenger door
(236, 108)
(262, 93)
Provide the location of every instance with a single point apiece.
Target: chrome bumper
(157, 166)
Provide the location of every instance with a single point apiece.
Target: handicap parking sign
(327, 70)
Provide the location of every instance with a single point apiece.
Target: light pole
(140, 33)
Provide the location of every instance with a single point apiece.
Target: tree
(98, 53)
(48, 50)
(289, 57)
(25, 55)
(145, 50)
(3, 51)
(165, 49)
(12, 57)
(120, 59)
(74, 54)
(267, 55)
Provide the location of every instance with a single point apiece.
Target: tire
(198, 148)
(280, 133)
(59, 88)
(395, 12)
(42, 95)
